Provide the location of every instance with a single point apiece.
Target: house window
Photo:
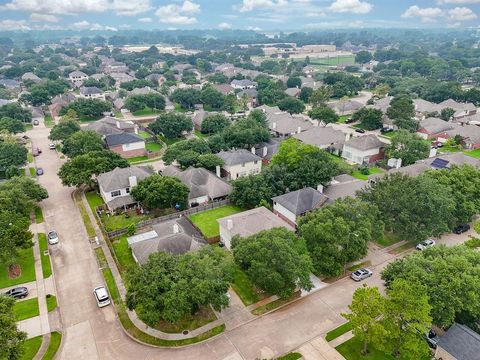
(115, 193)
(127, 190)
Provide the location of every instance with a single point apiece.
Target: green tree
(209, 161)
(212, 98)
(82, 142)
(64, 129)
(214, 124)
(139, 102)
(321, 95)
(401, 107)
(249, 191)
(275, 260)
(11, 339)
(447, 113)
(363, 57)
(89, 108)
(162, 192)
(324, 114)
(370, 119)
(14, 234)
(291, 105)
(305, 94)
(294, 82)
(171, 125)
(37, 96)
(12, 154)
(176, 150)
(407, 146)
(81, 169)
(15, 111)
(13, 126)
(27, 186)
(187, 98)
(245, 133)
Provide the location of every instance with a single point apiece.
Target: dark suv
(460, 229)
(19, 292)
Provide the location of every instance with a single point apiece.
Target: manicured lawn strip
(343, 118)
(146, 111)
(83, 212)
(191, 322)
(472, 243)
(244, 288)
(274, 304)
(26, 309)
(388, 239)
(206, 221)
(474, 153)
(153, 146)
(449, 149)
(148, 339)
(352, 350)
(123, 253)
(136, 159)
(31, 347)
(291, 356)
(48, 121)
(30, 157)
(339, 331)
(336, 60)
(89, 119)
(32, 172)
(200, 135)
(46, 265)
(27, 264)
(38, 215)
(390, 134)
(374, 170)
(402, 248)
(110, 282)
(169, 141)
(55, 341)
(144, 134)
(94, 200)
(102, 260)
(51, 302)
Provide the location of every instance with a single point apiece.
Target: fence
(160, 219)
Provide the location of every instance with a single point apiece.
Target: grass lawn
(207, 220)
(472, 243)
(449, 149)
(22, 172)
(83, 212)
(200, 135)
(48, 121)
(146, 111)
(26, 309)
(137, 159)
(359, 266)
(32, 172)
(352, 348)
(474, 153)
(144, 134)
(374, 170)
(31, 347)
(191, 322)
(337, 60)
(55, 341)
(244, 288)
(343, 118)
(27, 264)
(123, 253)
(389, 238)
(339, 331)
(89, 119)
(30, 157)
(38, 215)
(153, 146)
(169, 141)
(94, 200)
(46, 265)
(51, 302)
(390, 134)
(28, 126)
(291, 356)
(118, 114)
(107, 275)
(274, 304)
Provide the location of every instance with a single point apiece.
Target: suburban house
(363, 149)
(345, 107)
(266, 150)
(434, 128)
(204, 185)
(198, 116)
(292, 205)
(439, 130)
(109, 125)
(175, 237)
(458, 343)
(29, 76)
(251, 95)
(342, 186)
(59, 101)
(283, 124)
(243, 84)
(470, 135)
(326, 138)
(115, 185)
(461, 109)
(126, 144)
(225, 89)
(293, 92)
(238, 163)
(248, 223)
(91, 92)
(77, 75)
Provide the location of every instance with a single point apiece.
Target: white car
(425, 244)
(52, 237)
(101, 296)
(52, 146)
(361, 274)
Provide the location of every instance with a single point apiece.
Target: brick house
(125, 144)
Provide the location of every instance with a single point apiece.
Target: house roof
(225, 89)
(251, 93)
(235, 157)
(109, 125)
(382, 104)
(292, 91)
(455, 105)
(424, 106)
(90, 90)
(283, 123)
(321, 136)
(300, 201)
(343, 189)
(461, 342)
(253, 221)
(122, 138)
(77, 73)
(118, 178)
(243, 82)
(435, 125)
(365, 142)
(350, 105)
(272, 147)
(120, 201)
(200, 181)
(30, 76)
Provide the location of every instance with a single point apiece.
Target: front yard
(351, 350)
(474, 153)
(359, 175)
(26, 309)
(206, 221)
(27, 266)
(244, 288)
(202, 317)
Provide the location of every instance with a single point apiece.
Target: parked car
(52, 237)
(460, 229)
(432, 339)
(36, 122)
(425, 244)
(51, 146)
(349, 121)
(101, 296)
(361, 131)
(385, 130)
(36, 151)
(361, 274)
(18, 292)
(39, 171)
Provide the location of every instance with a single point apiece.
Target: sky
(261, 15)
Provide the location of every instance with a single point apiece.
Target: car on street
(52, 237)
(18, 292)
(361, 274)
(36, 122)
(432, 339)
(36, 151)
(361, 131)
(425, 244)
(51, 146)
(39, 171)
(460, 229)
(101, 296)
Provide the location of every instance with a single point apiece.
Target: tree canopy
(89, 108)
(82, 142)
(171, 125)
(408, 147)
(11, 339)
(15, 111)
(291, 105)
(139, 102)
(370, 119)
(13, 126)
(214, 124)
(64, 129)
(324, 114)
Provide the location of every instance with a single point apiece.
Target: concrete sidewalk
(319, 349)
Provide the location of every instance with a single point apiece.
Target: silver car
(425, 244)
(361, 274)
(52, 237)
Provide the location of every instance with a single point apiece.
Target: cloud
(427, 15)
(14, 25)
(224, 25)
(43, 18)
(131, 7)
(458, 1)
(178, 14)
(353, 6)
(250, 5)
(85, 25)
(253, 28)
(145, 20)
(461, 14)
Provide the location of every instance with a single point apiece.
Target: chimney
(217, 170)
(176, 230)
(118, 124)
(229, 224)
(253, 150)
(265, 151)
(132, 181)
(274, 125)
(299, 130)
(320, 188)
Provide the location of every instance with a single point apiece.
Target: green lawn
(48, 121)
(38, 215)
(339, 331)
(146, 111)
(28, 126)
(31, 347)
(123, 253)
(30, 157)
(274, 304)
(388, 239)
(337, 60)
(94, 200)
(474, 153)
(449, 149)
(26, 309)
(137, 159)
(22, 171)
(55, 341)
(107, 275)
(169, 141)
(374, 170)
(359, 265)
(404, 247)
(144, 134)
(89, 119)
(342, 119)
(390, 134)
(200, 135)
(32, 172)
(206, 221)
(351, 350)
(27, 264)
(291, 356)
(472, 243)
(51, 302)
(244, 288)
(46, 265)
(153, 146)
(190, 322)
(83, 212)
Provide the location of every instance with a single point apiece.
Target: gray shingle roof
(300, 201)
(461, 342)
(321, 136)
(235, 157)
(118, 177)
(77, 73)
(365, 142)
(122, 138)
(435, 125)
(90, 90)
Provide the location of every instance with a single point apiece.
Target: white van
(101, 296)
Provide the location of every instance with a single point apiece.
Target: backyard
(206, 221)
(27, 266)
(146, 111)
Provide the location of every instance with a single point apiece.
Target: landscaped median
(32, 346)
(44, 256)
